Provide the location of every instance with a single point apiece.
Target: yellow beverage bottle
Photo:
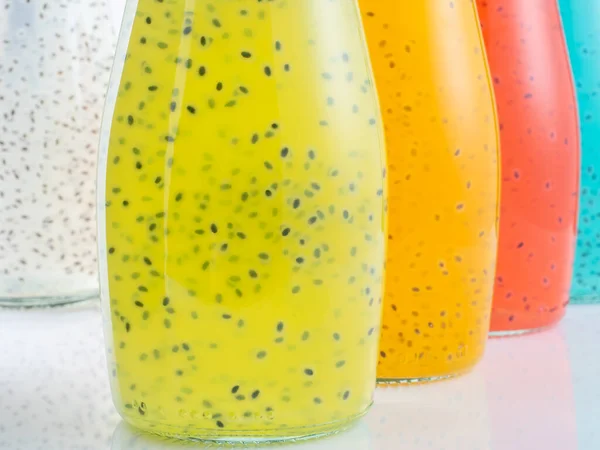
(440, 126)
(242, 219)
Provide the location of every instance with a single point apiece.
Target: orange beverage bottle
(439, 118)
(540, 162)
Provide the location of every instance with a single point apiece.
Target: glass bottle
(540, 162)
(582, 31)
(54, 69)
(439, 118)
(242, 219)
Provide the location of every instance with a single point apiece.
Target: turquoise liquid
(581, 19)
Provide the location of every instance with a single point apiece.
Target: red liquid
(540, 161)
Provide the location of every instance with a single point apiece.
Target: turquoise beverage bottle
(581, 19)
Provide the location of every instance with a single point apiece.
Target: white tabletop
(534, 392)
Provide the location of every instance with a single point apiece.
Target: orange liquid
(440, 125)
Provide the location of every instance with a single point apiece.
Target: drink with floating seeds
(537, 110)
(582, 33)
(439, 119)
(55, 60)
(242, 219)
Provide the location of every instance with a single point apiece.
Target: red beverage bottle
(540, 162)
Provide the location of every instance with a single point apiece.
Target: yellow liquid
(439, 119)
(244, 219)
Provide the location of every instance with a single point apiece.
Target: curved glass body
(540, 162)
(55, 60)
(439, 119)
(242, 219)
(581, 20)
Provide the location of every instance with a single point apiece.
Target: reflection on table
(533, 392)
(530, 393)
(519, 398)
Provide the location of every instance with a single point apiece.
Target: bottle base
(245, 438)
(585, 299)
(516, 333)
(46, 301)
(390, 382)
